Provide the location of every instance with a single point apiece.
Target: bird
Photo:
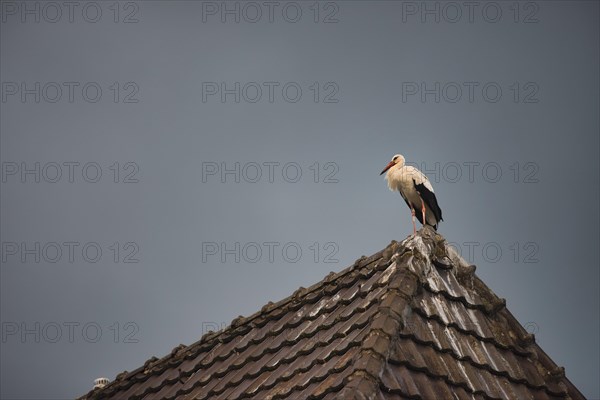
(415, 189)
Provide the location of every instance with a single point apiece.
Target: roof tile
(409, 322)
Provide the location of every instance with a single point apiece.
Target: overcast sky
(168, 166)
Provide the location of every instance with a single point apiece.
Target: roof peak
(412, 319)
(426, 244)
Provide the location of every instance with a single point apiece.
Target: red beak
(390, 165)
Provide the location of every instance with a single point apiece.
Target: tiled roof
(409, 322)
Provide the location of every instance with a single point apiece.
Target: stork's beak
(390, 165)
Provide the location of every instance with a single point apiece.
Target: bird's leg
(423, 211)
(412, 212)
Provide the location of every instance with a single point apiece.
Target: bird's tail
(433, 226)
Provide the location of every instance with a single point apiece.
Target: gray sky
(240, 160)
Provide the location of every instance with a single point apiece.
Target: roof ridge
(386, 324)
(429, 250)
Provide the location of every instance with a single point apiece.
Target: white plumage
(415, 189)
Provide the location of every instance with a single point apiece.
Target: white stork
(415, 189)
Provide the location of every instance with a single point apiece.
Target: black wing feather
(429, 198)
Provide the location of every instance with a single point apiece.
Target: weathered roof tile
(409, 322)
